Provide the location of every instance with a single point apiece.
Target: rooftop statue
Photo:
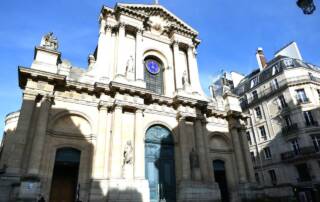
(49, 41)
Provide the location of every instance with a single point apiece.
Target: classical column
(193, 69)
(139, 146)
(178, 77)
(139, 57)
(102, 144)
(116, 144)
(23, 131)
(239, 155)
(245, 149)
(201, 149)
(184, 152)
(121, 69)
(40, 134)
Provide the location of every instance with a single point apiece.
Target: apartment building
(282, 99)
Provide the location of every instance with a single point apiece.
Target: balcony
(302, 153)
(288, 130)
(304, 100)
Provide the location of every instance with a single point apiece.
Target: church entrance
(221, 179)
(65, 175)
(159, 163)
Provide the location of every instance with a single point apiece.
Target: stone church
(135, 125)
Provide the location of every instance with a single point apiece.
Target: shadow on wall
(291, 146)
(123, 195)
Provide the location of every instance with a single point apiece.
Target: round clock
(153, 67)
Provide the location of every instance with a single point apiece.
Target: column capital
(30, 95)
(175, 43)
(49, 98)
(108, 28)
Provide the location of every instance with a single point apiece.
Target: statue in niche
(128, 154)
(130, 65)
(49, 41)
(194, 159)
(185, 80)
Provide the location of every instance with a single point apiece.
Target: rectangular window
(249, 138)
(273, 176)
(254, 82)
(316, 142)
(258, 112)
(253, 158)
(301, 96)
(274, 84)
(287, 120)
(295, 146)
(267, 153)
(318, 91)
(256, 175)
(263, 134)
(255, 94)
(282, 102)
(303, 172)
(309, 118)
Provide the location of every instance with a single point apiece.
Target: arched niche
(71, 124)
(219, 141)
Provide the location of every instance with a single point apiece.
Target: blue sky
(230, 32)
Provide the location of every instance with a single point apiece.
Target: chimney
(261, 59)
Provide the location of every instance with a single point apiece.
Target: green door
(160, 169)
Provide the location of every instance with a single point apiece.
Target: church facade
(134, 126)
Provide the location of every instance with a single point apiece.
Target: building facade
(134, 126)
(282, 99)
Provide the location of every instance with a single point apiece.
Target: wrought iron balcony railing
(303, 151)
(287, 130)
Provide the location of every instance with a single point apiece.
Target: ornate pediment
(155, 17)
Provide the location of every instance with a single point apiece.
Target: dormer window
(254, 82)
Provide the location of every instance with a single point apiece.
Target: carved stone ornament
(128, 154)
(49, 41)
(130, 65)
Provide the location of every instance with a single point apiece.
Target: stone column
(121, 69)
(139, 164)
(239, 155)
(22, 132)
(184, 152)
(102, 67)
(193, 69)
(40, 134)
(201, 149)
(102, 144)
(116, 144)
(247, 156)
(178, 78)
(139, 57)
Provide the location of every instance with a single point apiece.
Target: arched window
(153, 74)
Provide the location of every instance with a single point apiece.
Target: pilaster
(139, 59)
(121, 69)
(139, 168)
(116, 144)
(40, 135)
(178, 80)
(184, 153)
(22, 132)
(239, 154)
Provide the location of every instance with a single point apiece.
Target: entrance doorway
(65, 175)
(159, 163)
(221, 179)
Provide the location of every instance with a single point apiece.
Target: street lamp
(307, 6)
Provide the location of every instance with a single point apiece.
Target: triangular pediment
(149, 11)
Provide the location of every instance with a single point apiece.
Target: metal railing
(312, 123)
(303, 151)
(287, 130)
(281, 84)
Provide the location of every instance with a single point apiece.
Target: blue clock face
(153, 67)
